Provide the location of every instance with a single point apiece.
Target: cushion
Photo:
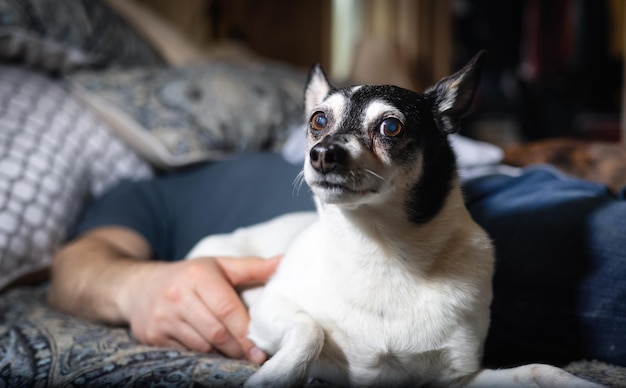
(177, 116)
(54, 154)
(59, 35)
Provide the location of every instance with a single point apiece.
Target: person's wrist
(130, 288)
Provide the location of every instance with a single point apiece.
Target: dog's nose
(326, 157)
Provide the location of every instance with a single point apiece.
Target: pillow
(54, 153)
(59, 35)
(178, 116)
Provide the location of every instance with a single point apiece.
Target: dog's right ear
(317, 88)
(454, 94)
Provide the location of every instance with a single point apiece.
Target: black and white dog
(389, 282)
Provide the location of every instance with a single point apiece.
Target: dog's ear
(317, 88)
(454, 94)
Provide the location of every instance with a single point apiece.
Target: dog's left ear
(454, 94)
(317, 88)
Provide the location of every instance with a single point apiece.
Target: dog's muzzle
(327, 156)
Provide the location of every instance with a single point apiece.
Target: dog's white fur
(365, 297)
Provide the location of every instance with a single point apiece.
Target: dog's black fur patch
(430, 193)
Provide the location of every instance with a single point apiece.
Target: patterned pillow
(177, 116)
(59, 35)
(54, 153)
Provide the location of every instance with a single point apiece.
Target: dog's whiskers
(367, 170)
(298, 182)
(355, 181)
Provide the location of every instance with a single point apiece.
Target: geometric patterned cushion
(54, 154)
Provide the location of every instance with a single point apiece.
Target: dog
(389, 282)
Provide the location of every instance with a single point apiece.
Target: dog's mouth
(336, 188)
(342, 188)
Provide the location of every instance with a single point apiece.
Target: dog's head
(367, 143)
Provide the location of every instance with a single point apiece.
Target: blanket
(43, 347)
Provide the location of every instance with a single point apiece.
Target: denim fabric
(175, 210)
(560, 279)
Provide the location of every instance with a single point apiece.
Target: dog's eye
(390, 127)
(319, 121)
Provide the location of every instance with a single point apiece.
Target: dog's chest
(397, 318)
(366, 307)
(392, 333)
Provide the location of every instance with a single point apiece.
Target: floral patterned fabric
(42, 347)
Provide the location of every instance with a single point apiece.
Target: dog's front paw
(273, 374)
(260, 380)
(257, 381)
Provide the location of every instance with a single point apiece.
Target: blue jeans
(560, 279)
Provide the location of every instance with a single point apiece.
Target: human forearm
(91, 275)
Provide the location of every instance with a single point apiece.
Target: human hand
(192, 304)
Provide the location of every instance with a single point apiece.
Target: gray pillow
(178, 116)
(60, 35)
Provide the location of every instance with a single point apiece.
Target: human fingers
(157, 315)
(172, 344)
(224, 303)
(165, 325)
(248, 270)
(188, 325)
(200, 317)
(185, 337)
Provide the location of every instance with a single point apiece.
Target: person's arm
(106, 275)
(89, 274)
